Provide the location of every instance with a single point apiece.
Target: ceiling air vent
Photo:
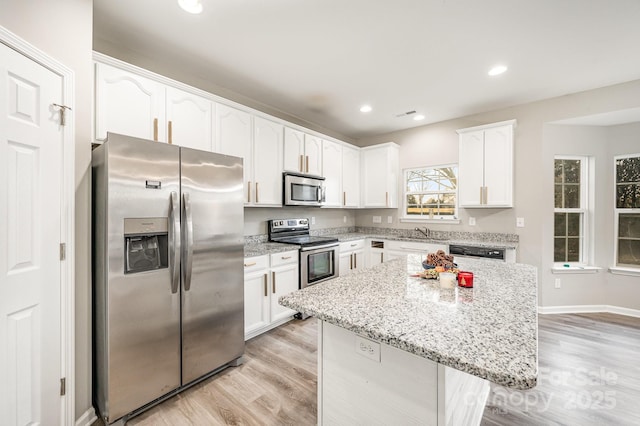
(402, 114)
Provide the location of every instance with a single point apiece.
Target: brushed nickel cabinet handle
(266, 289)
(307, 164)
(381, 257)
(301, 164)
(155, 129)
(351, 261)
(354, 244)
(285, 257)
(257, 192)
(386, 199)
(170, 129)
(273, 281)
(355, 260)
(246, 265)
(481, 195)
(344, 198)
(249, 192)
(486, 195)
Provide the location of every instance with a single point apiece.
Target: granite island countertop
(352, 236)
(489, 331)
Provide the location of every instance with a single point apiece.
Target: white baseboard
(87, 418)
(579, 309)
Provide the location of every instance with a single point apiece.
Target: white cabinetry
(380, 169)
(332, 172)
(395, 249)
(351, 256)
(132, 105)
(266, 278)
(486, 165)
(350, 177)
(302, 152)
(267, 162)
(259, 143)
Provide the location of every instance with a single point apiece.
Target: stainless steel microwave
(303, 190)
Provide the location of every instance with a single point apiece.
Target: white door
(313, 155)
(284, 280)
(189, 120)
(31, 143)
(470, 168)
(293, 150)
(256, 301)
(498, 166)
(350, 177)
(128, 104)
(332, 172)
(233, 137)
(267, 164)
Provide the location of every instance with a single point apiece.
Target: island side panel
(396, 388)
(461, 397)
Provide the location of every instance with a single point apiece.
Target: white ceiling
(320, 60)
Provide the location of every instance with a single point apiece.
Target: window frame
(585, 209)
(635, 270)
(452, 219)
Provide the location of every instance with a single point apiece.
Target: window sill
(634, 272)
(427, 220)
(575, 269)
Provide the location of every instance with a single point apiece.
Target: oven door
(318, 264)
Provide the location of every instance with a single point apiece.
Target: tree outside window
(627, 210)
(431, 192)
(570, 209)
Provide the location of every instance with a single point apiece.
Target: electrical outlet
(520, 222)
(389, 219)
(368, 348)
(313, 220)
(377, 219)
(472, 221)
(344, 219)
(558, 283)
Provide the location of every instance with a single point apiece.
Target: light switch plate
(313, 220)
(368, 348)
(520, 222)
(377, 219)
(472, 221)
(389, 219)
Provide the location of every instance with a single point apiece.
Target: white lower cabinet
(266, 278)
(351, 256)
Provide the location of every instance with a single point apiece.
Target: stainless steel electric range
(319, 256)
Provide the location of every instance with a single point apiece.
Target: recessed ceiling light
(191, 6)
(497, 70)
(418, 117)
(366, 108)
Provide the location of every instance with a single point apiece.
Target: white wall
(255, 218)
(533, 193)
(63, 30)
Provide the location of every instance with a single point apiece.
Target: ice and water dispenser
(145, 244)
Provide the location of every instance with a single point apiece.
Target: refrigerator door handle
(174, 241)
(187, 248)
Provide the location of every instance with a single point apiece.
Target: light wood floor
(589, 375)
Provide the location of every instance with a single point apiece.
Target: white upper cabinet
(302, 152)
(189, 120)
(136, 106)
(350, 177)
(379, 171)
(128, 104)
(332, 172)
(293, 150)
(234, 137)
(267, 156)
(485, 177)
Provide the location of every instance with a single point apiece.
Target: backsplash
(400, 232)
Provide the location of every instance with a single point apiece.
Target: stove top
(295, 231)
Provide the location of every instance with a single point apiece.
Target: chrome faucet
(426, 232)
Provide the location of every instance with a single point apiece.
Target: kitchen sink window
(627, 211)
(571, 213)
(431, 193)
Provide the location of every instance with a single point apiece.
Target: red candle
(465, 279)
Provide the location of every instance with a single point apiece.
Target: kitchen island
(398, 349)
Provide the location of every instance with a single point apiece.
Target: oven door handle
(318, 247)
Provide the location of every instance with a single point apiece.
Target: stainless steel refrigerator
(168, 294)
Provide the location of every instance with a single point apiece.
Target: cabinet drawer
(284, 258)
(256, 263)
(348, 246)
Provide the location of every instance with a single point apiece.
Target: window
(627, 210)
(571, 211)
(431, 193)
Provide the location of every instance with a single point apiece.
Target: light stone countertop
(489, 331)
(352, 236)
(260, 249)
